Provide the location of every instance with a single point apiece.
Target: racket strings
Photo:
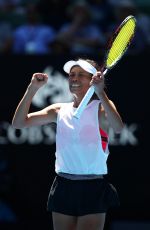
(121, 42)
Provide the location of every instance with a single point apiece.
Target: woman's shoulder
(58, 106)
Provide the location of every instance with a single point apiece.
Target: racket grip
(85, 100)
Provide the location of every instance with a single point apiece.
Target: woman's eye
(71, 75)
(81, 74)
(78, 75)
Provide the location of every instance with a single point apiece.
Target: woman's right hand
(38, 80)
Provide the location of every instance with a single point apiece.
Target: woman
(80, 196)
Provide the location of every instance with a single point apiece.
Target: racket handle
(85, 100)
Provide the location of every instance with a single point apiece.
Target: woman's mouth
(75, 86)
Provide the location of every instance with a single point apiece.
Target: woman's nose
(75, 78)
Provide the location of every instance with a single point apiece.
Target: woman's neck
(77, 100)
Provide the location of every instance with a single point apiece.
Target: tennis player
(80, 195)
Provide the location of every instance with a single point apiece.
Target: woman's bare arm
(22, 118)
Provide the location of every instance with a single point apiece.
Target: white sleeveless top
(78, 142)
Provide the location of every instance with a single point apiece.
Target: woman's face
(79, 81)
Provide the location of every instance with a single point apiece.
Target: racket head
(120, 41)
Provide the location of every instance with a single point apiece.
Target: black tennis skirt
(81, 197)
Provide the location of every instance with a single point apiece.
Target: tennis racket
(117, 47)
